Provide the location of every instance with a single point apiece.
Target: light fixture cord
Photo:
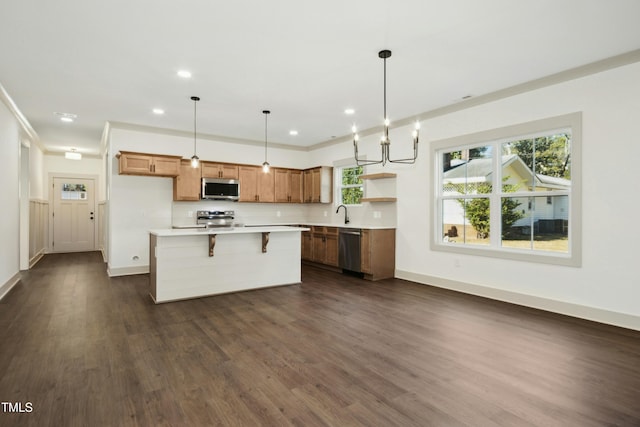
(265, 136)
(195, 103)
(385, 89)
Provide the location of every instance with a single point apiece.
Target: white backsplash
(368, 214)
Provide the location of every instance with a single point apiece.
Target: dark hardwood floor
(86, 350)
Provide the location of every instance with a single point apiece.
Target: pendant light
(385, 142)
(265, 165)
(195, 160)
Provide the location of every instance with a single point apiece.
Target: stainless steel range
(212, 219)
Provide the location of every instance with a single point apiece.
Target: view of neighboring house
(547, 214)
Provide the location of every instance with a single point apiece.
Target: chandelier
(385, 142)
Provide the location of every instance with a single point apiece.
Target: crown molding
(22, 120)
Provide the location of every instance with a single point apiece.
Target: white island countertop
(168, 232)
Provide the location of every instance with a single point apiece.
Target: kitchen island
(192, 263)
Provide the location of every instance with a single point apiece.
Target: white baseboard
(37, 257)
(575, 310)
(8, 285)
(127, 271)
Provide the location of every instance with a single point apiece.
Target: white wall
(606, 287)
(9, 198)
(36, 171)
(56, 163)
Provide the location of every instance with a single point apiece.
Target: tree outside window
(351, 186)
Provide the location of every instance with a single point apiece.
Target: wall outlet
(326, 213)
(190, 214)
(456, 263)
(278, 214)
(377, 214)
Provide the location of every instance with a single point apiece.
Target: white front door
(73, 215)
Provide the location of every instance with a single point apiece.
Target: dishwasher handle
(353, 233)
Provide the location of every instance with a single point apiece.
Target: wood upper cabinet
(219, 170)
(187, 185)
(255, 185)
(377, 253)
(318, 185)
(288, 185)
(130, 163)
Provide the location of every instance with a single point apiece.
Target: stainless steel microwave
(221, 189)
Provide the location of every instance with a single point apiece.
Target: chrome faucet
(346, 215)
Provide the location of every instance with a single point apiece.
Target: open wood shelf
(378, 199)
(378, 175)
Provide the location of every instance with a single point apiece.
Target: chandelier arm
(407, 161)
(363, 162)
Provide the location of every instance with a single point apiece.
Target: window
(511, 192)
(73, 192)
(349, 186)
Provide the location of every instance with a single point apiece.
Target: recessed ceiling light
(293, 132)
(158, 111)
(349, 111)
(184, 74)
(66, 117)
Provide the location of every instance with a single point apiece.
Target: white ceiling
(305, 61)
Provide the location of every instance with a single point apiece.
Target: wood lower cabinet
(256, 185)
(219, 170)
(307, 244)
(187, 185)
(130, 163)
(378, 253)
(288, 186)
(325, 245)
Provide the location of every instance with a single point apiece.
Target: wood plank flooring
(85, 349)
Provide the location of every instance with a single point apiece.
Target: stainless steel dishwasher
(349, 249)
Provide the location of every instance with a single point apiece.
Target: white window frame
(338, 166)
(569, 122)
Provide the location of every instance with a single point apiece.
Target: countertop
(173, 232)
(327, 224)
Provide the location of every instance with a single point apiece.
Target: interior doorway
(73, 214)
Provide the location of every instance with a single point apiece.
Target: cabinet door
(229, 171)
(319, 252)
(365, 251)
(138, 164)
(248, 183)
(295, 186)
(266, 186)
(315, 185)
(331, 249)
(282, 183)
(187, 185)
(308, 185)
(307, 245)
(166, 166)
(210, 170)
